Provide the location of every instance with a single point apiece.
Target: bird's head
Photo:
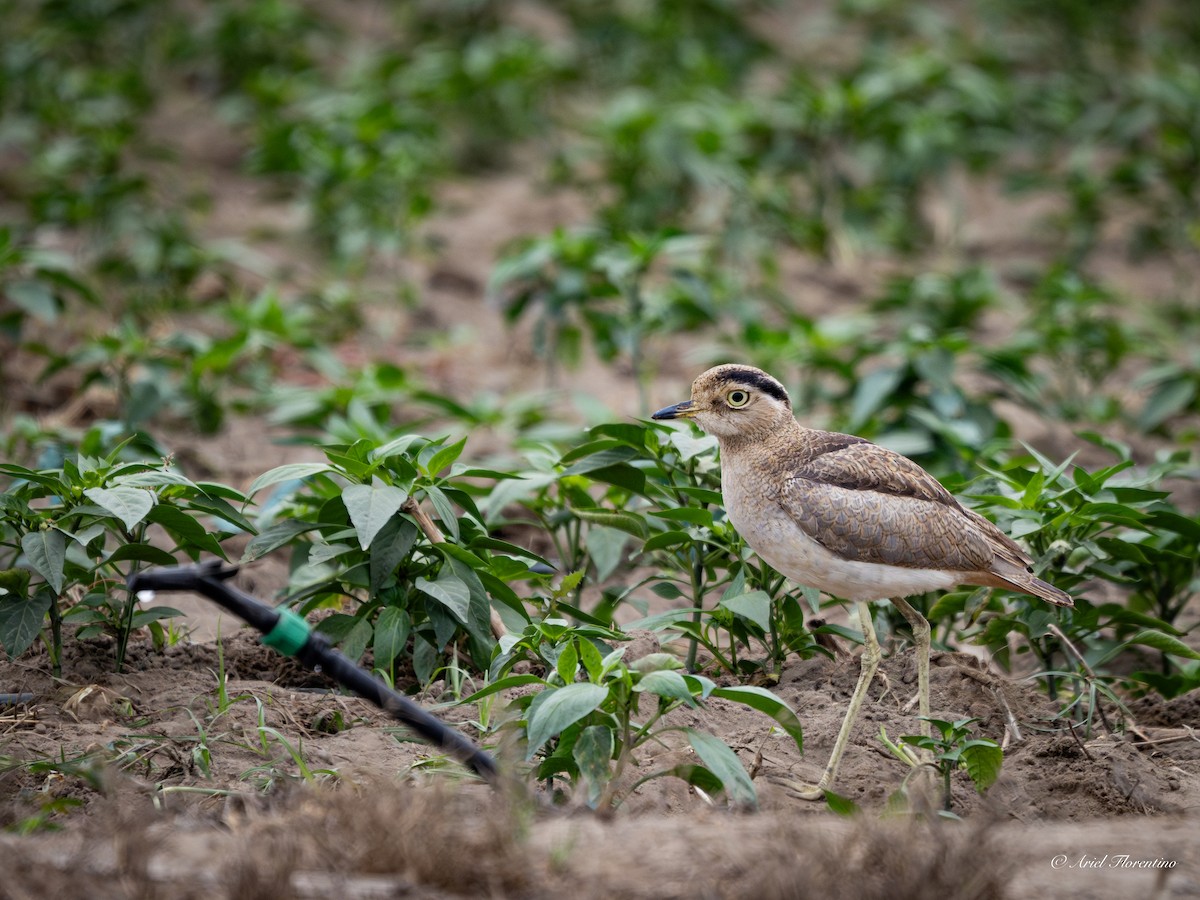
(733, 402)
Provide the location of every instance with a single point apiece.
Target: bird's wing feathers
(866, 503)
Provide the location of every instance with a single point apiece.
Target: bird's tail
(1028, 583)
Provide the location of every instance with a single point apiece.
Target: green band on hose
(289, 634)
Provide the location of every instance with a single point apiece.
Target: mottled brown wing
(867, 503)
(859, 465)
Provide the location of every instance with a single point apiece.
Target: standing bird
(848, 517)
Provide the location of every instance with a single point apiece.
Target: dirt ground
(180, 810)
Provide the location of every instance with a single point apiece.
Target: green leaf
(391, 545)
(700, 517)
(445, 457)
(21, 619)
(982, 760)
(46, 550)
(449, 590)
(502, 684)
(724, 763)
(593, 755)
(667, 539)
(1164, 643)
(628, 522)
(371, 506)
(288, 472)
(274, 537)
(1170, 398)
(444, 509)
(654, 662)
(755, 606)
(562, 708)
(146, 553)
(606, 546)
(567, 662)
(145, 616)
(765, 702)
(843, 806)
(666, 684)
(662, 620)
(392, 447)
(695, 775)
(391, 634)
(129, 504)
(354, 644)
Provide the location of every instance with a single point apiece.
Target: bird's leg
(870, 662)
(921, 636)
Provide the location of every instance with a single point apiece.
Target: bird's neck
(778, 433)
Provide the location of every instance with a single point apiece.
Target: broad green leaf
(371, 506)
(591, 659)
(391, 545)
(449, 590)
(724, 763)
(606, 546)
(129, 504)
(46, 550)
(146, 553)
(391, 634)
(288, 472)
(21, 619)
(982, 760)
(765, 702)
(275, 536)
(564, 707)
(567, 662)
(593, 755)
(354, 644)
(654, 662)
(755, 606)
(666, 684)
(1164, 643)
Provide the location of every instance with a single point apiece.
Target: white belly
(775, 537)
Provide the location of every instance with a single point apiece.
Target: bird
(848, 517)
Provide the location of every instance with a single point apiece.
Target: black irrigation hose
(288, 633)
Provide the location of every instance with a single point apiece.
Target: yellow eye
(737, 398)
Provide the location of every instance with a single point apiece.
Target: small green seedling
(952, 750)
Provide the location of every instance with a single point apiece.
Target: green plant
(1069, 349)
(590, 731)
(1089, 526)
(603, 283)
(357, 532)
(83, 527)
(951, 749)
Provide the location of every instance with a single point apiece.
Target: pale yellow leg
(870, 662)
(921, 636)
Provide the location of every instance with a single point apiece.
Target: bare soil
(163, 820)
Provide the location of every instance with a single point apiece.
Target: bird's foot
(804, 791)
